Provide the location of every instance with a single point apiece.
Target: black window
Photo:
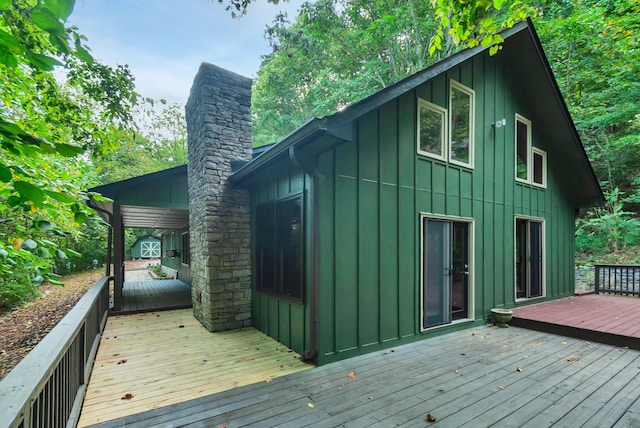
(186, 250)
(278, 255)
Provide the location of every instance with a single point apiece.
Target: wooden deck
(156, 359)
(473, 378)
(608, 319)
(145, 296)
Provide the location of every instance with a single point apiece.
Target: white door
(150, 250)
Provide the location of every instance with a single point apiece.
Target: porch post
(118, 257)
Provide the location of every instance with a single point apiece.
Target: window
(432, 129)
(531, 162)
(539, 167)
(529, 258)
(278, 249)
(523, 148)
(461, 120)
(185, 255)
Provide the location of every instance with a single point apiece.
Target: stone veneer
(218, 115)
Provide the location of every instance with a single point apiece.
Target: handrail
(47, 387)
(617, 279)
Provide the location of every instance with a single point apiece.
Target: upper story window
(530, 162)
(432, 129)
(523, 148)
(539, 167)
(461, 120)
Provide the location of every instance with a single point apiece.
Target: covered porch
(155, 201)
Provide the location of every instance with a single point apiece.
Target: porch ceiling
(154, 217)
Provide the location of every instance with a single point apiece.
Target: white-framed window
(523, 149)
(461, 124)
(529, 258)
(530, 162)
(539, 173)
(432, 129)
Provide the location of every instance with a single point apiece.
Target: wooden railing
(47, 387)
(618, 279)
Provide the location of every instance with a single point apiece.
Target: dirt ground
(23, 328)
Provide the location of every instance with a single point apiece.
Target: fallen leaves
(571, 359)
(518, 369)
(127, 396)
(352, 375)
(122, 361)
(501, 388)
(310, 405)
(430, 417)
(563, 343)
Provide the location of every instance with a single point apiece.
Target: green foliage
(336, 52)
(161, 144)
(607, 229)
(50, 126)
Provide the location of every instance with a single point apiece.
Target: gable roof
(522, 52)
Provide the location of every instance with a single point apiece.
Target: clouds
(164, 41)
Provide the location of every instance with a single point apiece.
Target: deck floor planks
(603, 318)
(144, 296)
(600, 385)
(159, 372)
(589, 380)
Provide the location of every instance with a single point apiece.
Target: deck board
(154, 295)
(608, 319)
(163, 358)
(468, 377)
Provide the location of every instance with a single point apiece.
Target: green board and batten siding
(374, 188)
(284, 320)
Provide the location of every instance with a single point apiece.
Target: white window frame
(543, 243)
(424, 104)
(454, 85)
(543, 155)
(524, 120)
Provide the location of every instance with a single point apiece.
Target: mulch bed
(22, 329)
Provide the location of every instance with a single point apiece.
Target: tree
(49, 127)
(337, 52)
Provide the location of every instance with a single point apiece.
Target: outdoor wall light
(500, 123)
(172, 253)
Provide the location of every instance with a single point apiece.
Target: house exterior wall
(285, 320)
(174, 241)
(218, 115)
(374, 189)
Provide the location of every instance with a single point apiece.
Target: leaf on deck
(127, 396)
(430, 417)
(352, 375)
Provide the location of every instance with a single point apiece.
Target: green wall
(175, 242)
(284, 320)
(373, 189)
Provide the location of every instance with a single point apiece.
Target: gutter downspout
(312, 352)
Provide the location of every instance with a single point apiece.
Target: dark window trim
(276, 290)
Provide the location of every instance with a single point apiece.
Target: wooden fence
(618, 279)
(47, 388)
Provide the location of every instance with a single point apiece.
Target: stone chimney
(218, 115)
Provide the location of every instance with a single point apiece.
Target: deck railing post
(597, 278)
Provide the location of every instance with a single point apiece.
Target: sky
(165, 41)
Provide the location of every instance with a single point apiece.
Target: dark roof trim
(565, 109)
(112, 187)
(310, 131)
(339, 124)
